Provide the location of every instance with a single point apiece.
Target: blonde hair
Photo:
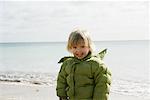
(77, 36)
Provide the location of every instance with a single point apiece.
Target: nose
(77, 49)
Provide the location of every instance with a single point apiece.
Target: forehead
(80, 43)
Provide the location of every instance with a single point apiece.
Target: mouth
(79, 55)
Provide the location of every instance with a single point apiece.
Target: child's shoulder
(95, 60)
(98, 58)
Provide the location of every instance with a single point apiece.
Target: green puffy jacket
(85, 79)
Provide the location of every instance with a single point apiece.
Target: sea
(37, 63)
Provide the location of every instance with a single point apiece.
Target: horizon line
(66, 41)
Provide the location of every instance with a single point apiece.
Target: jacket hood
(100, 55)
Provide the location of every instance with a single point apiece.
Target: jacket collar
(75, 58)
(100, 55)
(85, 58)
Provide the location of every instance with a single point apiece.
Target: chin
(80, 57)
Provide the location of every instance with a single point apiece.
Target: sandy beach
(19, 91)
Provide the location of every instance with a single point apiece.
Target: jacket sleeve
(61, 82)
(102, 80)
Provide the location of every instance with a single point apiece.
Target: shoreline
(20, 91)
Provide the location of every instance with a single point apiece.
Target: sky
(51, 21)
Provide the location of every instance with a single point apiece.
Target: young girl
(83, 76)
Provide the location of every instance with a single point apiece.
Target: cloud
(53, 21)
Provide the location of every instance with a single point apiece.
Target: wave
(138, 88)
(119, 86)
(28, 78)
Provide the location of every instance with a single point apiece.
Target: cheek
(86, 50)
(72, 51)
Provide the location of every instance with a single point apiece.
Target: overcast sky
(53, 21)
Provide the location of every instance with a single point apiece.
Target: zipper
(74, 68)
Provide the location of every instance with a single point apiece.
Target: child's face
(80, 50)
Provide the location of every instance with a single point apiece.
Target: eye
(82, 46)
(74, 47)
